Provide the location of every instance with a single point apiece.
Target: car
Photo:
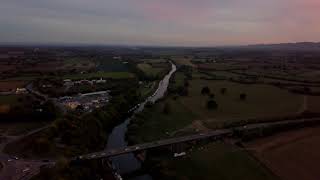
(9, 160)
(92, 156)
(137, 148)
(26, 169)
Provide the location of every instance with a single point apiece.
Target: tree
(205, 90)
(149, 104)
(306, 89)
(42, 145)
(211, 104)
(186, 84)
(223, 90)
(183, 91)
(166, 108)
(243, 96)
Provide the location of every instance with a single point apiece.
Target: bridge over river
(215, 134)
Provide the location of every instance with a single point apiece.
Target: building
(73, 105)
(21, 91)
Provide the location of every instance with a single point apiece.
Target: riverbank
(186, 111)
(128, 163)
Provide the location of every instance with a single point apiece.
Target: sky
(159, 22)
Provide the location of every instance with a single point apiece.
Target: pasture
(218, 160)
(292, 155)
(11, 85)
(98, 75)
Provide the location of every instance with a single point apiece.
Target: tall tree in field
(205, 90)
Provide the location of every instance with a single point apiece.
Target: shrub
(205, 90)
(243, 96)
(166, 108)
(211, 104)
(223, 90)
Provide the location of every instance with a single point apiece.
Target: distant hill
(302, 46)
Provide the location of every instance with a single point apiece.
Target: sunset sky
(159, 22)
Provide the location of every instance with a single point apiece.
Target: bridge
(215, 134)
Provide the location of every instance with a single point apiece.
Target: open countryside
(159, 90)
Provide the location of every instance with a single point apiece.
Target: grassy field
(19, 128)
(24, 78)
(11, 85)
(190, 113)
(113, 75)
(153, 124)
(111, 65)
(179, 79)
(292, 155)
(149, 70)
(262, 101)
(78, 63)
(215, 161)
(147, 89)
(313, 104)
(183, 61)
(10, 99)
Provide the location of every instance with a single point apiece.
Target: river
(128, 162)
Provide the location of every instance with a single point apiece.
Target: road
(20, 169)
(210, 134)
(30, 88)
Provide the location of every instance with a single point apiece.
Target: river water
(128, 162)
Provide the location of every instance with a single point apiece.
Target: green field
(10, 99)
(149, 70)
(19, 128)
(78, 63)
(148, 88)
(152, 124)
(183, 61)
(313, 104)
(215, 161)
(187, 112)
(179, 79)
(262, 101)
(24, 78)
(113, 75)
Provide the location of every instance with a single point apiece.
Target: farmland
(313, 104)
(214, 160)
(290, 155)
(98, 75)
(261, 101)
(148, 69)
(11, 99)
(153, 124)
(153, 70)
(11, 85)
(189, 112)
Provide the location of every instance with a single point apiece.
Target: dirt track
(291, 155)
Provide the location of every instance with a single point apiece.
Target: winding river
(128, 163)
